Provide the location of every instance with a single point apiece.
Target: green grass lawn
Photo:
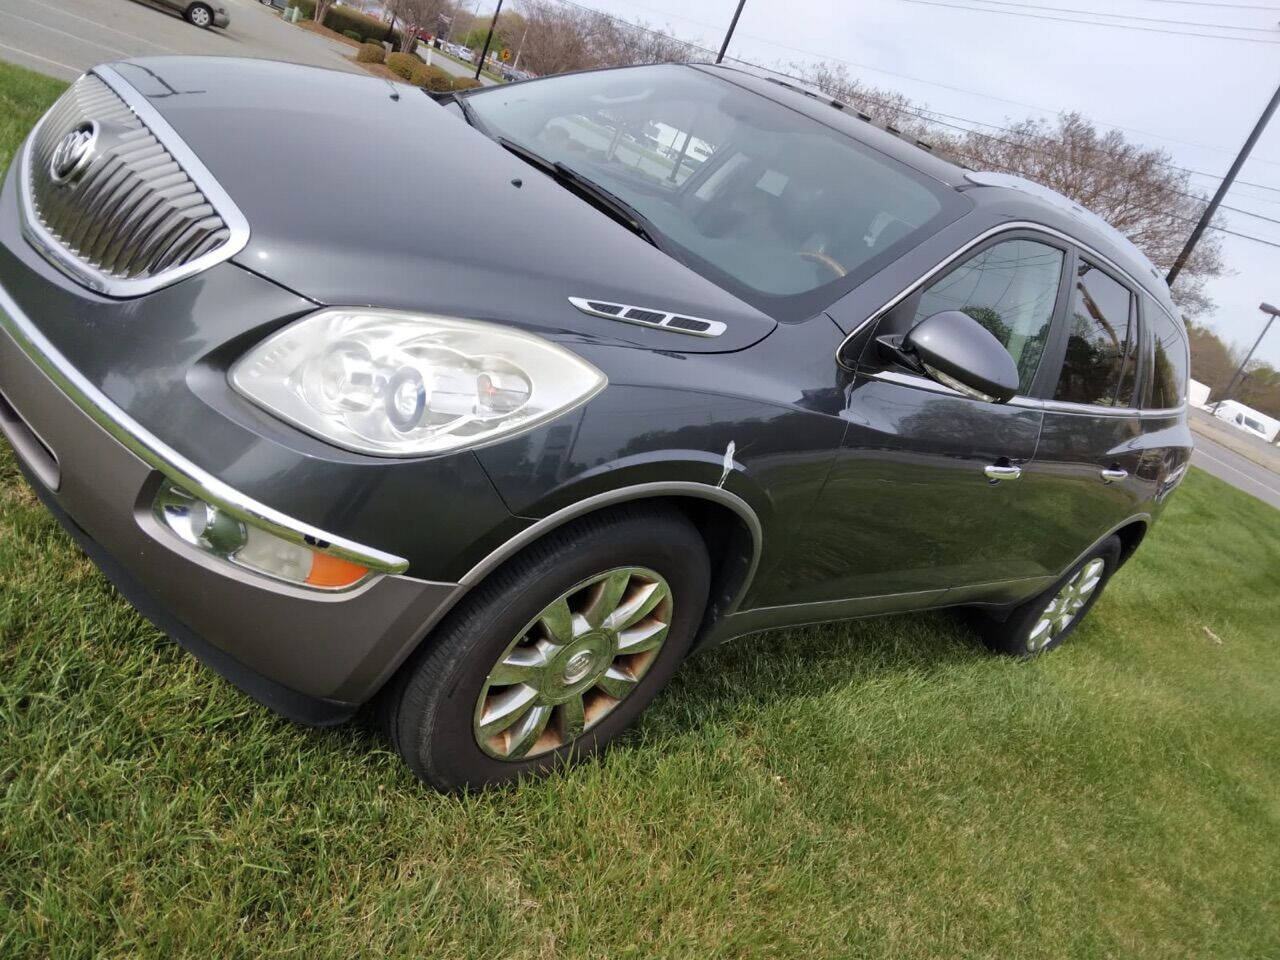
(872, 789)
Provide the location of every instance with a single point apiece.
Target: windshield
(781, 210)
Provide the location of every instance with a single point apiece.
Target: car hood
(362, 192)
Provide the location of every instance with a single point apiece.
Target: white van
(1248, 419)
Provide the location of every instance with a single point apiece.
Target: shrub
(465, 83)
(342, 19)
(370, 53)
(375, 40)
(431, 77)
(351, 35)
(403, 65)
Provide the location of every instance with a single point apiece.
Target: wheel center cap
(578, 666)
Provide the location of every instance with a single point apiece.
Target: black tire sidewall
(1010, 636)
(191, 14)
(433, 723)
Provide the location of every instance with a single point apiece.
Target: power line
(930, 116)
(768, 41)
(1213, 3)
(1093, 23)
(986, 96)
(1130, 16)
(810, 53)
(1042, 152)
(1163, 213)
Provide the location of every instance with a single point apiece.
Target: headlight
(398, 384)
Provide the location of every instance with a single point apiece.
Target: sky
(1194, 97)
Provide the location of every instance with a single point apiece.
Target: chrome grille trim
(662, 319)
(144, 214)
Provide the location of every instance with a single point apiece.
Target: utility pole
(1271, 313)
(494, 26)
(733, 24)
(1223, 187)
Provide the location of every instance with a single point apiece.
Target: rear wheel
(1045, 621)
(199, 15)
(556, 654)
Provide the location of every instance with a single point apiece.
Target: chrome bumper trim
(157, 454)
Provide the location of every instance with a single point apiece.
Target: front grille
(129, 218)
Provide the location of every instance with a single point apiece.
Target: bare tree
(883, 106)
(321, 11)
(1134, 188)
(559, 37)
(417, 15)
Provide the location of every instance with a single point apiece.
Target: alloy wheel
(573, 663)
(200, 17)
(1065, 606)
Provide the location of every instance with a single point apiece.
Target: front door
(924, 494)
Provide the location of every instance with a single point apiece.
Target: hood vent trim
(146, 213)
(649, 317)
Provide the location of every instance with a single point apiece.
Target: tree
(416, 16)
(884, 107)
(558, 37)
(321, 11)
(1132, 187)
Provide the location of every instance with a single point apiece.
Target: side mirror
(959, 352)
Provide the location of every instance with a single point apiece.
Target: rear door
(909, 508)
(1088, 474)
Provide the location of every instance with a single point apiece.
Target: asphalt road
(1237, 470)
(64, 38)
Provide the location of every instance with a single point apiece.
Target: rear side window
(1169, 363)
(1010, 288)
(1101, 361)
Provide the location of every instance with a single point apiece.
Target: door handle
(1112, 474)
(995, 472)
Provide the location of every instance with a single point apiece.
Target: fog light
(218, 533)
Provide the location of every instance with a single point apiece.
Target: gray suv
(736, 360)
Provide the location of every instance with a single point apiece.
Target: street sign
(505, 55)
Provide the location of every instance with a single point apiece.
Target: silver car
(200, 13)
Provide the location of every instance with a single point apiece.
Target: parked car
(200, 13)
(504, 482)
(1246, 418)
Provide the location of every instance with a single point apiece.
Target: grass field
(874, 789)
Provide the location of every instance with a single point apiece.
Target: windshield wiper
(468, 113)
(589, 190)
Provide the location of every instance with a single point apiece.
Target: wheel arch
(727, 523)
(1131, 535)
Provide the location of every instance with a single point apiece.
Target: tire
(200, 15)
(434, 707)
(1028, 632)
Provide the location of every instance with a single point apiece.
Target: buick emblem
(73, 153)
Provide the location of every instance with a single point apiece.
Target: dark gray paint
(867, 485)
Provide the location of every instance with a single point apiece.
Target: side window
(1169, 366)
(1101, 355)
(1010, 288)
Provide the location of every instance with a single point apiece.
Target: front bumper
(221, 18)
(310, 655)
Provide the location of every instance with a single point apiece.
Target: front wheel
(555, 654)
(1045, 621)
(199, 15)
